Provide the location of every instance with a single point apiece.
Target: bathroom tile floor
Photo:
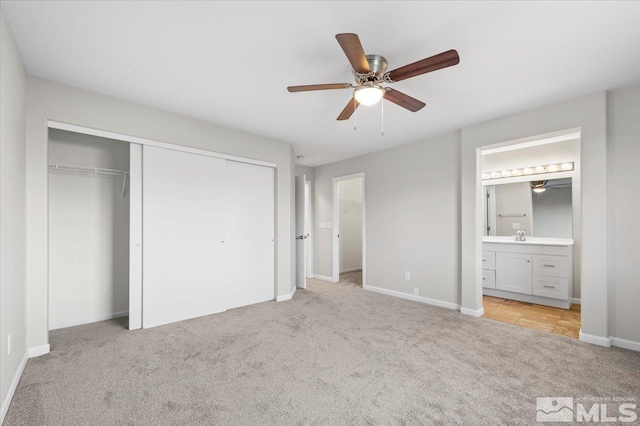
(538, 317)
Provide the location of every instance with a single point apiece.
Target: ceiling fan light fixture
(539, 186)
(368, 95)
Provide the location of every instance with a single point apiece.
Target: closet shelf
(93, 170)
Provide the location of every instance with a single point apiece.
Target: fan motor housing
(377, 63)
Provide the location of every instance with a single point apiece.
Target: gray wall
(412, 208)
(58, 102)
(588, 114)
(12, 210)
(623, 180)
(88, 230)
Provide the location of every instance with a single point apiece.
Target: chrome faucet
(520, 235)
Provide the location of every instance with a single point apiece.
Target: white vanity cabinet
(513, 272)
(536, 271)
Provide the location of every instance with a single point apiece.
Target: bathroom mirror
(542, 208)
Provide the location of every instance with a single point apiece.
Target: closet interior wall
(88, 230)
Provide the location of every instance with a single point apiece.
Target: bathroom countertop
(538, 241)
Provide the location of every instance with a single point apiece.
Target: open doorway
(349, 230)
(531, 239)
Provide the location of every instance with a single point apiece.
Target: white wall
(412, 197)
(12, 213)
(552, 153)
(53, 101)
(552, 212)
(88, 231)
(623, 180)
(513, 199)
(350, 223)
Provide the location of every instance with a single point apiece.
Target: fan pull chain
(382, 117)
(355, 114)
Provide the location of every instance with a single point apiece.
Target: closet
(208, 235)
(156, 231)
(88, 229)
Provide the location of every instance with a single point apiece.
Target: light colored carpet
(335, 354)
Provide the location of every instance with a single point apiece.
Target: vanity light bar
(527, 171)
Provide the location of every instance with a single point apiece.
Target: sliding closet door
(183, 233)
(250, 224)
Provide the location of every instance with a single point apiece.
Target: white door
(300, 232)
(249, 241)
(308, 221)
(184, 213)
(513, 272)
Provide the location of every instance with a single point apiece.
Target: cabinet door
(513, 272)
(488, 278)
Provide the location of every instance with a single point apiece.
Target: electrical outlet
(407, 276)
(416, 292)
(9, 344)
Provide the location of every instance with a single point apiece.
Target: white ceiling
(230, 62)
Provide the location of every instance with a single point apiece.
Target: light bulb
(515, 172)
(505, 173)
(485, 176)
(494, 174)
(368, 95)
(527, 170)
(566, 166)
(540, 189)
(539, 169)
(553, 168)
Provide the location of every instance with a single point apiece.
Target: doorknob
(301, 237)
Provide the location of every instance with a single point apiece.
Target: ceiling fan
(370, 71)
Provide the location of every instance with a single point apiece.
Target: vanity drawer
(489, 260)
(488, 278)
(555, 287)
(551, 266)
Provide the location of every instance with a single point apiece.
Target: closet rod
(93, 170)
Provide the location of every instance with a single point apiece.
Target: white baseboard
(595, 340)
(575, 301)
(407, 296)
(358, 268)
(472, 312)
(625, 344)
(39, 350)
(90, 320)
(324, 278)
(286, 296)
(13, 386)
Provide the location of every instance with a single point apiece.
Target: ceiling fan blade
(405, 101)
(311, 87)
(352, 47)
(443, 60)
(349, 109)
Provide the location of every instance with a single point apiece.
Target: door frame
(335, 243)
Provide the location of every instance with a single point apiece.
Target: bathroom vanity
(537, 270)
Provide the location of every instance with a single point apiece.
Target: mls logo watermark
(554, 409)
(586, 409)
